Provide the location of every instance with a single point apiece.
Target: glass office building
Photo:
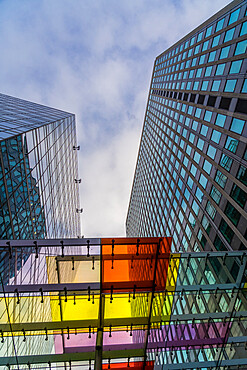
(191, 174)
(38, 174)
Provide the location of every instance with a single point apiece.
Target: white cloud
(94, 58)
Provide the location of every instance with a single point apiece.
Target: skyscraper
(191, 173)
(38, 175)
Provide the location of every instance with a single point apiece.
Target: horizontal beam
(66, 357)
(204, 364)
(141, 287)
(119, 322)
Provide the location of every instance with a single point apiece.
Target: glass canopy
(116, 303)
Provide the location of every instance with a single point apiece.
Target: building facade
(191, 173)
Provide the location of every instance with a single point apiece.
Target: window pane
(226, 162)
(215, 195)
(221, 179)
(241, 47)
(207, 166)
(216, 135)
(243, 29)
(220, 69)
(220, 120)
(211, 57)
(234, 16)
(220, 25)
(239, 195)
(209, 31)
(204, 85)
(224, 52)
(216, 85)
(211, 152)
(208, 71)
(231, 144)
(210, 210)
(230, 85)
(226, 231)
(244, 88)
(242, 175)
(216, 40)
(229, 34)
(237, 125)
(236, 66)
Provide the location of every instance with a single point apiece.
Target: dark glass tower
(191, 174)
(38, 168)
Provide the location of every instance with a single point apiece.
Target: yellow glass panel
(82, 310)
(124, 306)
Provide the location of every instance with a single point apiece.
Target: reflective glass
(234, 16)
(220, 24)
(204, 85)
(229, 34)
(236, 66)
(220, 120)
(224, 52)
(211, 152)
(216, 40)
(230, 85)
(212, 55)
(231, 144)
(237, 125)
(216, 135)
(243, 29)
(244, 87)
(220, 69)
(209, 31)
(208, 71)
(216, 85)
(241, 47)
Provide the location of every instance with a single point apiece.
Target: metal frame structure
(114, 303)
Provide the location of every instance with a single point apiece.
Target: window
(199, 72)
(209, 31)
(216, 135)
(229, 34)
(237, 125)
(211, 152)
(220, 69)
(219, 25)
(210, 210)
(216, 40)
(238, 195)
(194, 125)
(232, 213)
(231, 144)
(244, 87)
(221, 179)
(204, 130)
(226, 162)
(230, 85)
(199, 37)
(197, 157)
(208, 71)
(224, 52)
(200, 144)
(207, 166)
(196, 85)
(241, 47)
(220, 120)
(243, 29)
(226, 231)
(193, 170)
(236, 66)
(206, 225)
(204, 85)
(242, 175)
(205, 45)
(212, 55)
(234, 16)
(208, 116)
(202, 59)
(219, 245)
(203, 181)
(216, 85)
(215, 195)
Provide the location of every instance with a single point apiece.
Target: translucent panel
(237, 125)
(230, 85)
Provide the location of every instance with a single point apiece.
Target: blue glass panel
(220, 69)
(208, 116)
(230, 85)
(229, 35)
(208, 71)
(224, 52)
(216, 85)
(244, 88)
(220, 25)
(220, 120)
(243, 29)
(209, 31)
(204, 85)
(216, 40)
(207, 166)
(216, 135)
(231, 144)
(211, 152)
(212, 55)
(196, 85)
(234, 16)
(236, 66)
(241, 47)
(237, 125)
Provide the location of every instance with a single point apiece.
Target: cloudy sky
(94, 58)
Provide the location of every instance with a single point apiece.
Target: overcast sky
(95, 58)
